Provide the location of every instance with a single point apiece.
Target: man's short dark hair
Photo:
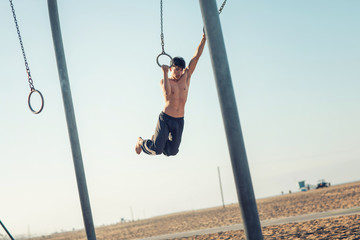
(178, 61)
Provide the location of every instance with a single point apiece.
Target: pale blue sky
(295, 70)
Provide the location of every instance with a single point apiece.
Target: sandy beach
(318, 200)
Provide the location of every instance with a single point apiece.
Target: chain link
(31, 83)
(162, 27)
(222, 6)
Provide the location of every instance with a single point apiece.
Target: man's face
(177, 72)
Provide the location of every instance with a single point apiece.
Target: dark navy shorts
(167, 137)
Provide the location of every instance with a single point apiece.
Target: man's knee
(158, 151)
(171, 153)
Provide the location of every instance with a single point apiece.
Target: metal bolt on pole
(231, 120)
(70, 119)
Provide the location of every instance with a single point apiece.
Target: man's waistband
(170, 117)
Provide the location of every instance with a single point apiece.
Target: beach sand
(318, 200)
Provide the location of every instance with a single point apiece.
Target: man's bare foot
(138, 145)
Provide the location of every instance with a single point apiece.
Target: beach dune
(318, 200)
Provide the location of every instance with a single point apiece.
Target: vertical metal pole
(132, 214)
(221, 190)
(8, 233)
(231, 120)
(70, 118)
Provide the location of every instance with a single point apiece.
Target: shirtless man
(168, 132)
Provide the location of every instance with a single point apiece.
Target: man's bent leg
(174, 139)
(156, 144)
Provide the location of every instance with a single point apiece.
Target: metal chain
(162, 28)
(222, 6)
(31, 84)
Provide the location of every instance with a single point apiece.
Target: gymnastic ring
(163, 53)
(42, 101)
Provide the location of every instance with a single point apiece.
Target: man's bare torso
(175, 101)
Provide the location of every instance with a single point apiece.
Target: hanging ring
(33, 90)
(163, 53)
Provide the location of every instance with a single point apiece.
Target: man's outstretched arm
(195, 58)
(165, 81)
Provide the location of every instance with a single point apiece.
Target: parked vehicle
(322, 183)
